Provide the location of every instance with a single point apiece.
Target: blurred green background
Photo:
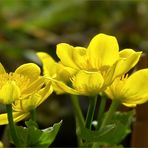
(27, 26)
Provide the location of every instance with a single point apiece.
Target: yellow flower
(98, 65)
(131, 90)
(19, 84)
(89, 70)
(24, 88)
(22, 108)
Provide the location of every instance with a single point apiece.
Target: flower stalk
(77, 109)
(33, 114)
(90, 113)
(13, 131)
(78, 116)
(101, 110)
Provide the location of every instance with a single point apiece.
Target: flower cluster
(100, 69)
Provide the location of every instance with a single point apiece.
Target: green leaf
(90, 137)
(96, 136)
(123, 128)
(111, 134)
(49, 134)
(31, 136)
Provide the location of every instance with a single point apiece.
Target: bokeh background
(28, 26)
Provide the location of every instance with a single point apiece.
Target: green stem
(113, 107)
(13, 131)
(90, 112)
(78, 116)
(33, 114)
(77, 110)
(101, 110)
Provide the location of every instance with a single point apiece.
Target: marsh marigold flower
(94, 67)
(131, 90)
(25, 89)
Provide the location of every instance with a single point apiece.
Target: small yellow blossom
(131, 90)
(24, 88)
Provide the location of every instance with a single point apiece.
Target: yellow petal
(61, 87)
(16, 105)
(17, 116)
(35, 99)
(2, 69)
(137, 84)
(54, 69)
(58, 89)
(80, 58)
(64, 73)
(30, 103)
(126, 52)
(9, 92)
(103, 50)
(30, 70)
(129, 104)
(88, 83)
(44, 93)
(126, 63)
(49, 65)
(135, 100)
(33, 87)
(65, 53)
(109, 75)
